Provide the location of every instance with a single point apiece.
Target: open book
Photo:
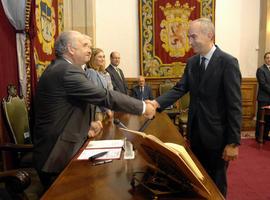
(180, 150)
(176, 158)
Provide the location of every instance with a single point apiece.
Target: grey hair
(62, 42)
(207, 25)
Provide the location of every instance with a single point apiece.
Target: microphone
(145, 125)
(118, 123)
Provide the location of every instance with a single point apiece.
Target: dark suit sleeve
(80, 88)
(261, 77)
(134, 93)
(232, 88)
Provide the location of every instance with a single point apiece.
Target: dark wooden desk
(81, 180)
(265, 110)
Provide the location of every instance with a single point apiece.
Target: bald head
(201, 35)
(74, 46)
(115, 58)
(141, 81)
(206, 25)
(61, 43)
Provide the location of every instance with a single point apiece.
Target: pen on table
(98, 155)
(102, 162)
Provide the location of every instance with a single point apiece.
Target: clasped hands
(150, 110)
(95, 128)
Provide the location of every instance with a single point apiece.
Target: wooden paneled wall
(249, 92)
(249, 103)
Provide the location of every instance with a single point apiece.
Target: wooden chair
(171, 110)
(19, 141)
(15, 182)
(183, 113)
(17, 148)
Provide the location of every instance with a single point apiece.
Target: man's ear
(70, 49)
(210, 36)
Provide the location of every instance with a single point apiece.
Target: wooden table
(265, 110)
(81, 180)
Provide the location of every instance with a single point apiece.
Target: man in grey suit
(213, 79)
(62, 109)
(117, 76)
(263, 98)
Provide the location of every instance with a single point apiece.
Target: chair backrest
(17, 116)
(184, 102)
(164, 87)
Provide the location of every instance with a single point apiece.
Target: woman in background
(96, 72)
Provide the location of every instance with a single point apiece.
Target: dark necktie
(202, 68)
(141, 90)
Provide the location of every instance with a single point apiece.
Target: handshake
(150, 109)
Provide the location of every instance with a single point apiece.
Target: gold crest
(175, 28)
(45, 20)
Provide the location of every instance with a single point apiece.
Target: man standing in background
(117, 76)
(263, 98)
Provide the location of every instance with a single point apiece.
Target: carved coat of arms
(45, 21)
(175, 28)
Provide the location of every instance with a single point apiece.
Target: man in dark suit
(62, 112)
(213, 79)
(117, 76)
(263, 98)
(142, 91)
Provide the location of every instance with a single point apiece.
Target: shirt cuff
(144, 107)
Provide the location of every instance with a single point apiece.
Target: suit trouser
(211, 160)
(47, 179)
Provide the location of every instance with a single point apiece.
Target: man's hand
(110, 114)
(153, 102)
(150, 111)
(95, 128)
(230, 152)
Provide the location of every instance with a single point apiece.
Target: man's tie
(141, 90)
(202, 68)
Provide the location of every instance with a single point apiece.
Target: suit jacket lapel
(196, 71)
(114, 73)
(266, 69)
(210, 67)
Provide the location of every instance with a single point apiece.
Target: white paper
(114, 153)
(97, 144)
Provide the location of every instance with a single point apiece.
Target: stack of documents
(112, 148)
